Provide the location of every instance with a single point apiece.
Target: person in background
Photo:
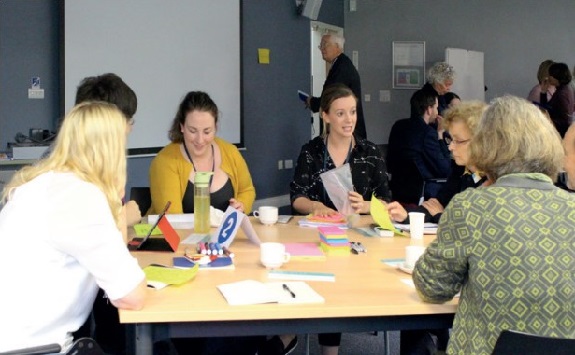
(544, 87)
(451, 99)
(338, 145)
(508, 247)
(562, 104)
(342, 71)
(567, 180)
(111, 88)
(439, 80)
(415, 147)
(461, 121)
(195, 147)
(75, 243)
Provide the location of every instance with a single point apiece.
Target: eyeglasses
(448, 140)
(324, 45)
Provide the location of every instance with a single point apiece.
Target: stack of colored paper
(333, 241)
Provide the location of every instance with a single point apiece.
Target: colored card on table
(304, 251)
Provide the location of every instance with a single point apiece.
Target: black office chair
(514, 342)
(143, 198)
(82, 346)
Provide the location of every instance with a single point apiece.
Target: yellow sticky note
(263, 56)
(142, 229)
(380, 214)
(170, 276)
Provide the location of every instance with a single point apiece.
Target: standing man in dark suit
(342, 71)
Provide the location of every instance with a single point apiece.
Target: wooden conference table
(367, 294)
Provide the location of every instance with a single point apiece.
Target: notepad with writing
(304, 251)
(254, 292)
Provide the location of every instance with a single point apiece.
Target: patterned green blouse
(510, 249)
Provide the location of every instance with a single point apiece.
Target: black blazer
(343, 72)
(414, 155)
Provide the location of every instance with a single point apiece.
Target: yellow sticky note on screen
(380, 214)
(142, 229)
(263, 56)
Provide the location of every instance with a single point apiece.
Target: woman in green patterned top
(509, 248)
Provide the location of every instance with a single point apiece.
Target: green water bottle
(202, 202)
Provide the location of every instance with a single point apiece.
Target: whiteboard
(469, 81)
(162, 50)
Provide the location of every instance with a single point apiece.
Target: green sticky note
(142, 229)
(380, 215)
(170, 276)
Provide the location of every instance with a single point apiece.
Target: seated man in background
(108, 332)
(508, 247)
(461, 121)
(416, 152)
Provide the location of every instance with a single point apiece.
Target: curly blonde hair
(468, 112)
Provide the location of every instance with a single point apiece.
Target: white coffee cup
(412, 254)
(267, 215)
(416, 223)
(273, 255)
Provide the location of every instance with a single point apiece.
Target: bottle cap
(202, 178)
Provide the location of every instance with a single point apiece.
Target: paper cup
(416, 222)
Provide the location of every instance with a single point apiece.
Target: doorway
(319, 68)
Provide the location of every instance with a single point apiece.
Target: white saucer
(404, 268)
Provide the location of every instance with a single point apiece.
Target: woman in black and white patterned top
(336, 147)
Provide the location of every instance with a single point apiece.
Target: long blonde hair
(91, 144)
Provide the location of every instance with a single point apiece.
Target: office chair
(143, 198)
(514, 342)
(82, 346)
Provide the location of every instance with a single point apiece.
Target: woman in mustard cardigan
(195, 147)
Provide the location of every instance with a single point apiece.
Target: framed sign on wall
(408, 64)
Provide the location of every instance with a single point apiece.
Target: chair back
(514, 342)
(143, 198)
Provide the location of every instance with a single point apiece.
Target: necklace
(194, 165)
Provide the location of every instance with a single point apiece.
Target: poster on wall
(408, 64)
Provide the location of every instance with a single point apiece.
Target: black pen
(285, 287)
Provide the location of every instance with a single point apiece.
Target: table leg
(143, 344)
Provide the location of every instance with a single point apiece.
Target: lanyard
(194, 165)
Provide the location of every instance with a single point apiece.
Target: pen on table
(227, 252)
(213, 248)
(219, 249)
(286, 288)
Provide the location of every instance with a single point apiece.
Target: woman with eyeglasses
(460, 121)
